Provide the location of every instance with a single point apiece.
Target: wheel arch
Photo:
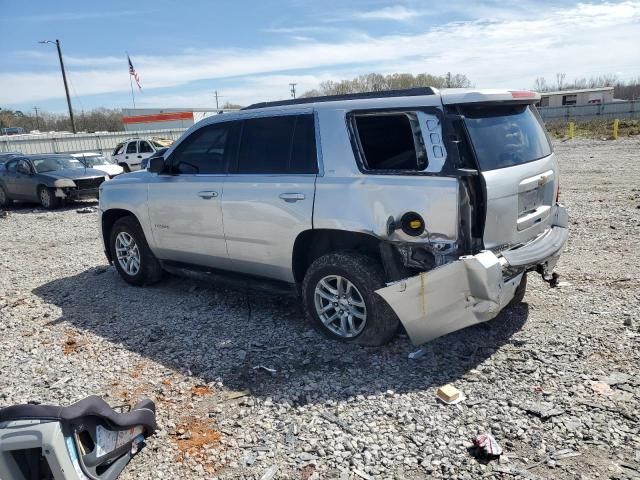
(109, 218)
(312, 244)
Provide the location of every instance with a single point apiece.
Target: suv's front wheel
(339, 296)
(131, 254)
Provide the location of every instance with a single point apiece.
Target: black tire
(125, 167)
(518, 297)
(5, 201)
(48, 199)
(367, 275)
(150, 270)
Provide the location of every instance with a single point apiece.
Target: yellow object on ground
(448, 393)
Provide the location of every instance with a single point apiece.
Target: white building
(583, 96)
(136, 119)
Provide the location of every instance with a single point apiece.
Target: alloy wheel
(340, 306)
(128, 253)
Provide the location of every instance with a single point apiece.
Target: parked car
(48, 179)
(429, 208)
(6, 156)
(145, 161)
(129, 154)
(98, 161)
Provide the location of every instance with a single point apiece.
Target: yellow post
(616, 122)
(572, 130)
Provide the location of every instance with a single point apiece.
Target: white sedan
(99, 162)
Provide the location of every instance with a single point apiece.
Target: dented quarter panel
(348, 200)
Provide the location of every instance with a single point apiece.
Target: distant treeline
(99, 119)
(623, 90)
(376, 82)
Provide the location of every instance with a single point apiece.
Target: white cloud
(397, 13)
(583, 40)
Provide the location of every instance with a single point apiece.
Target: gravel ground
(556, 379)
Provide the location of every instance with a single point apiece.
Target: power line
(293, 90)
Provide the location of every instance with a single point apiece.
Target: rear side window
(273, 145)
(131, 147)
(203, 152)
(506, 135)
(388, 142)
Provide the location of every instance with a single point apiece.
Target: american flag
(133, 73)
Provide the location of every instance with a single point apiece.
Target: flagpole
(133, 97)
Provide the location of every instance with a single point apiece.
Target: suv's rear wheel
(131, 254)
(518, 296)
(339, 296)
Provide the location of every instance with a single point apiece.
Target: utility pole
(35, 109)
(217, 96)
(64, 79)
(293, 90)
(448, 79)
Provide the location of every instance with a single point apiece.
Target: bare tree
(375, 82)
(560, 80)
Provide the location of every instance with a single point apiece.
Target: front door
(268, 196)
(25, 182)
(185, 202)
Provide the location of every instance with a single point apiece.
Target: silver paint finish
(185, 216)
(263, 215)
(519, 200)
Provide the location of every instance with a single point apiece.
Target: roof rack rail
(408, 92)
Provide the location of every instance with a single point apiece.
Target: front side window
(278, 145)
(145, 148)
(506, 135)
(118, 150)
(203, 152)
(131, 147)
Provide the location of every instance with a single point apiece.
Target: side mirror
(156, 165)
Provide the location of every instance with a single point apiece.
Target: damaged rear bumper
(472, 289)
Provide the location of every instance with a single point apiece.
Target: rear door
(131, 155)
(145, 150)
(269, 193)
(185, 202)
(519, 170)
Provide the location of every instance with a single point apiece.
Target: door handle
(207, 194)
(292, 197)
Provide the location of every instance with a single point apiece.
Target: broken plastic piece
(272, 371)
(487, 446)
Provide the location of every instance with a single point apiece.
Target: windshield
(52, 164)
(94, 160)
(506, 135)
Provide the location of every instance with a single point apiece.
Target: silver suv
(420, 206)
